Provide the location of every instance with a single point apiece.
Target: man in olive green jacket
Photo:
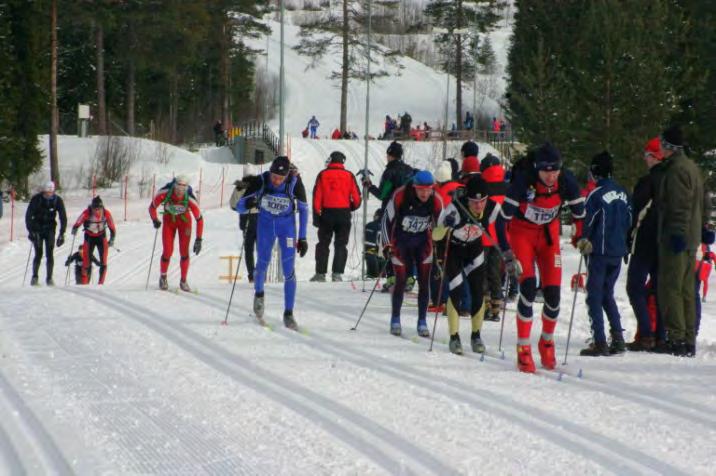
(680, 204)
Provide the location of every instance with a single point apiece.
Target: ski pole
(377, 281)
(233, 287)
(571, 318)
(72, 247)
(440, 289)
(504, 309)
(27, 265)
(151, 260)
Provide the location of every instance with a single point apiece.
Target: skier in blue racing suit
(278, 195)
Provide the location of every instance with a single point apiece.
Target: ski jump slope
(122, 380)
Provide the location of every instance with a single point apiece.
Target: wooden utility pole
(54, 115)
(101, 101)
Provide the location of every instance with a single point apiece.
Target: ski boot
(546, 353)
(455, 344)
(33, 281)
(661, 347)
(476, 343)
(395, 328)
(289, 321)
(642, 344)
(50, 282)
(525, 363)
(388, 285)
(596, 349)
(259, 306)
(319, 278)
(690, 350)
(617, 346)
(163, 284)
(423, 330)
(493, 312)
(184, 286)
(336, 277)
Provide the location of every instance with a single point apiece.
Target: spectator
(374, 260)
(469, 121)
(603, 240)
(336, 134)
(247, 221)
(335, 197)
(644, 252)
(682, 215)
(313, 127)
(219, 137)
(405, 123)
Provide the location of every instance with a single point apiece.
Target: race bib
(539, 215)
(415, 224)
(174, 209)
(467, 233)
(275, 205)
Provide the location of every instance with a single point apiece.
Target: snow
(116, 379)
(419, 90)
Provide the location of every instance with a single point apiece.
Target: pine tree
(457, 46)
(343, 31)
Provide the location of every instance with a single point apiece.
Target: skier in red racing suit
(179, 204)
(534, 199)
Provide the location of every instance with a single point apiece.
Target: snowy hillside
(119, 380)
(419, 90)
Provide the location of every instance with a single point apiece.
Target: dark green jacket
(680, 201)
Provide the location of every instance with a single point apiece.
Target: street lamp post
(282, 91)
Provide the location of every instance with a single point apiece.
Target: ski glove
(450, 219)
(111, 242)
(512, 266)
(33, 236)
(251, 202)
(678, 244)
(585, 247)
(575, 241)
(74, 230)
(316, 220)
(157, 224)
(197, 246)
(302, 247)
(60, 240)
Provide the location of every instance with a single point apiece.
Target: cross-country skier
(278, 196)
(247, 221)
(179, 205)
(467, 216)
(78, 260)
(41, 224)
(534, 199)
(95, 221)
(407, 227)
(603, 242)
(313, 127)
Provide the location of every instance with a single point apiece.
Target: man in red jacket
(95, 220)
(335, 196)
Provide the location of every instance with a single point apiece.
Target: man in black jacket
(41, 223)
(396, 174)
(643, 263)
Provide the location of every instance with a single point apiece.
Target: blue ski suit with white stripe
(277, 220)
(606, 226)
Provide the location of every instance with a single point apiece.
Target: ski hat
(395, 149)
(49, 186)
(489, 161)
(444, 172)
(97, 202)
(280, 166)
(602, 165)
(708, 236)
(548, 158)
(469, 149)
(337, 157)
(653, 148)
(181, 179)
(471, 165)
(672, 138)
(476, 189)
(423, 179)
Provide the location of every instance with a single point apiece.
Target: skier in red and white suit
(534, 199)
(95, 219)
(179, 204)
